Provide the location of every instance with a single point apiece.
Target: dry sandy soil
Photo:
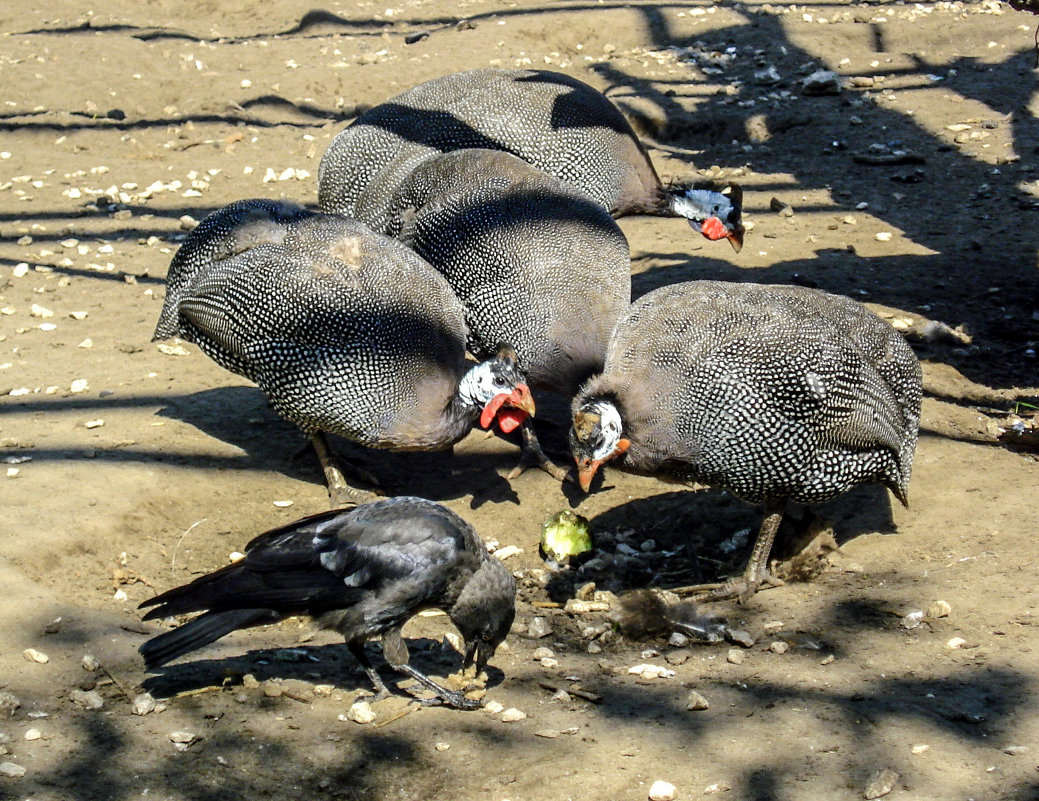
(130, 469)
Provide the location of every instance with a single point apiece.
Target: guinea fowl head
(498, 388)
(596, 436)
(716, 215)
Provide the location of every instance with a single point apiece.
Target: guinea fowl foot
(340, 493)
(532, 455)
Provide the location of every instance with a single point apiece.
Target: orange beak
(587, 468)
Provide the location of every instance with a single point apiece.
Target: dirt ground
(130, 468)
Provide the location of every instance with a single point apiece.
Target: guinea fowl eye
(499, 381)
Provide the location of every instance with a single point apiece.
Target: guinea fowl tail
(198, 632)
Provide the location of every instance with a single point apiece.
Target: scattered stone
(883, 236)
(1015, 750)
(768, 77)
(956, 642)
(32, 655)
(11, 770)
(735, 656)
(172, 350)
(360, 712)
(880, 783)
(543, 653)
(182, 739)
(662, 791)
(507, 551)
(53, 627)
(97, 423)
(538, 628)
(821, 82)
(88, 699)
(272, 689)
(143, 704)
(679, 657)
(739, 637)
(250, 682)
(493, 707)
(40, 312)
(33, 734)
(648, 671)
(913, 620)
(779, 647)
(79, 385)
(188, 223)
(827, 660)
(695, 702)
(512, 715)
(323, 690)
(442, 746)
(772, 626)
(548, 734)
(920, 748)
(939, 609)
(585, 591)
(677, 640)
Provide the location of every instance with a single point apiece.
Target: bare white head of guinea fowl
(716, 215)
(596, 437)
(497, 387)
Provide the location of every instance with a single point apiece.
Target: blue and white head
(716, 215)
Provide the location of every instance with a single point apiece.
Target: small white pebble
(91, 663)
(78, 315)
(119, 595)
(507, 551)
(920, 748)
(283, 504)
(779, 647)
(20, 270)
(183, 737)
(442, 746)
(883, 236)
(11, 770)
(662, 791)
(36, 310)
(79, 385)
(86, 343)
(236, 556)
(33, 734)
(12, 472)
(735, 656)
(94, 423)
(939, 609)
(956, 642)
(512, 715)
(32, 655)
(172, 350)
(361, 712)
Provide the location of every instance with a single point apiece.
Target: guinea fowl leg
(396, 653)
(531, 455)
(357, 649)
(339, 492)
(755, 574)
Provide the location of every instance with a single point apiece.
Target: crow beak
(477, 653)
(470, 654)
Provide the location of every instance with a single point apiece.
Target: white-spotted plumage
(552, 121)
(345, 331)
(776, 393)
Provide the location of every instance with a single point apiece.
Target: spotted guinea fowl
(344, 330)
(557, 123)
(533, 260)
(776, 393)
(364, 573)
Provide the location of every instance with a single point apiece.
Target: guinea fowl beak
(735, 238)
(509, 410)
(587, 468)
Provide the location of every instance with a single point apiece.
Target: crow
(364, 572)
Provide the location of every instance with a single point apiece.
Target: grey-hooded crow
(364, 572)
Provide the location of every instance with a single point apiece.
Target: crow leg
(396, 653)
(357, 649)
(531, 455)
(339, 492)
(755, 574)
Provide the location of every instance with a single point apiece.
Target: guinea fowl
(775, 393)
(550, 120)
(533, 260)
(344, 330)
(364, 573)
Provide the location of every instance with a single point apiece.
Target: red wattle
(509, 419)
(491, 409)
(713, 229)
